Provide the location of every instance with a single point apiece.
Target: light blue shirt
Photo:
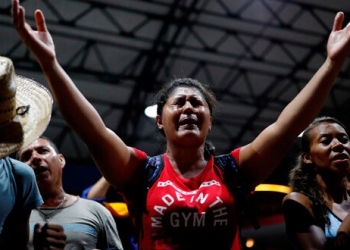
(332, 229)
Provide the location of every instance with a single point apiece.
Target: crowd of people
(183, 198)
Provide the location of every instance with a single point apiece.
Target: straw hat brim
(33, 123)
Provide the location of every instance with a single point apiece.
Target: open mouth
(341, 157)
(188, 121)
(39, 170)
(188, 125)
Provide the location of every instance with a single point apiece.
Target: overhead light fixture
(273, 188)
(151, 111)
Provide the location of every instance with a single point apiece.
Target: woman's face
(186, 117)
(329, 148)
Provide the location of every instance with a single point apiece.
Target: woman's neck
(187, 162)
(333, 191)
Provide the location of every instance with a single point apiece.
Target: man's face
(45, 161)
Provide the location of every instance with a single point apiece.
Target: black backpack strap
(153, 169)
(153, 166)
(150, 172)
(239, 187)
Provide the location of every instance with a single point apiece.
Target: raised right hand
(338, 46)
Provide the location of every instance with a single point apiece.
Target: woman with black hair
(316, 209)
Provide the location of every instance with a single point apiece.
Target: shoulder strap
(239, 187)
(153, 169)
(150, 173)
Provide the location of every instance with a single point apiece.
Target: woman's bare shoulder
(299, 198)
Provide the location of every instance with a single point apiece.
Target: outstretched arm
(106, 147)
(260, 158)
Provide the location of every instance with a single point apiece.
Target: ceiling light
(151, 111)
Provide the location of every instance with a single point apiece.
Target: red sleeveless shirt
(194, 213)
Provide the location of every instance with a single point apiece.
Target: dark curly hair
(164, 94)
(302, 178)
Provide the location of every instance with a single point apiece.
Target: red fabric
(195, 213)
(140, 154)
(235, 154)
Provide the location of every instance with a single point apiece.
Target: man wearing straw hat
(25, 110)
